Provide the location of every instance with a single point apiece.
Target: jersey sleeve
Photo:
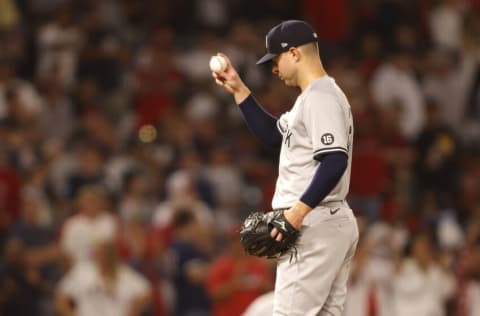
(325, 124)
(260, 122)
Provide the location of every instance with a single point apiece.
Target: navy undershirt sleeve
(326, 177)
(262, 124)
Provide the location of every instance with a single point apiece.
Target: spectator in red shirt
(236, 279)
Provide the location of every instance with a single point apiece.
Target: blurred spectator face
(370, 45)
(13, 100)
(88, 90)
(16, 107)
(186, 225)
(471, 263)
(13, 252)
(392, 116)
(90, 201)
(473, 230)
(433, 115)
(31, 211)
(101, 132)
(180, 187)
(162, 38)
(406, 37)
(422, 250)
(403, 61)
(220, 156)
(106, 256)
(64, 18)
(190, 160)
(194, 229)
(138, 185)
(90, 162)
(440, 62)
(6, 70)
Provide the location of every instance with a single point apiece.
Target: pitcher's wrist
(241, 95)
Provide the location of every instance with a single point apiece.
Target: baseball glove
(255, 234)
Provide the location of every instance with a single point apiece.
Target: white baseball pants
(315, 282)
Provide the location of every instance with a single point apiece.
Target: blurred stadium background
(125, 172)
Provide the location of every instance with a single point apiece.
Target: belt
(324, 204)
(333, 203)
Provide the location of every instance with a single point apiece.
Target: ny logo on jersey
(287, 138)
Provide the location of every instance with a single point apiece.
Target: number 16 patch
(327, 139)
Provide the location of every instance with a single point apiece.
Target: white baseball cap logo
(284, 44)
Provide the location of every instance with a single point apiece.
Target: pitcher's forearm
(241, 94)
(262, 124)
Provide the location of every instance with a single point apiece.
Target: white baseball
(218, 64)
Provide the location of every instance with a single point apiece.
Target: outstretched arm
(261, 123)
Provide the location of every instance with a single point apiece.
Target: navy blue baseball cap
(287, 34)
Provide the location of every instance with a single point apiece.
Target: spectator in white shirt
(90, 224)
(394, 84)
(445, 23)
(59, 43)
(447, 82)
(369, 288)
(104, 287)
(27, 93)
(421, 286)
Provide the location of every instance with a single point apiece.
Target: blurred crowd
(125, 172)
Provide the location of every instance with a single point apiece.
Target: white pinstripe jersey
(319, 122)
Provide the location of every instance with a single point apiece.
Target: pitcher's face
(284, 67)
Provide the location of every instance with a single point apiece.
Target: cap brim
(265, 59)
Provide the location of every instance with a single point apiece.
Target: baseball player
(315, 137)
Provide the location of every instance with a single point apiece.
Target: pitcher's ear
(295, 53)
